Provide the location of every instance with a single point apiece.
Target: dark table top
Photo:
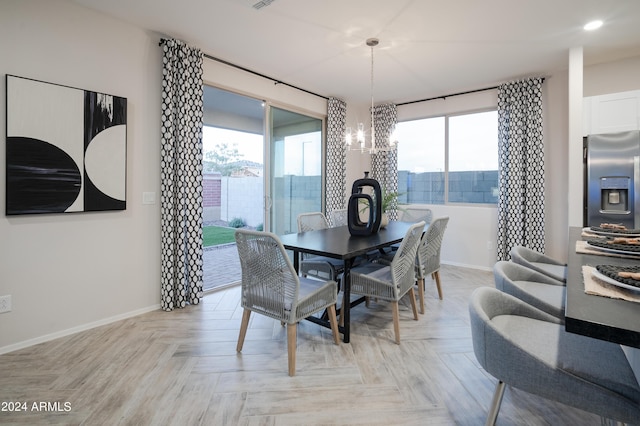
(596, 316)
(339, 244)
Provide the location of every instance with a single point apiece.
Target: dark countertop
(596, 316)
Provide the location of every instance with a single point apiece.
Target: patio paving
(221, 267)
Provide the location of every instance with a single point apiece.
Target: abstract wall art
(66, 149)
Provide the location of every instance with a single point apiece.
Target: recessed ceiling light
(593, 25)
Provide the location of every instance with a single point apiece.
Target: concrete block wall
(242, 197)
(475, 187)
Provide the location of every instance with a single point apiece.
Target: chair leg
(243, 329)
(421, 294)
(436, 275)
(342, 310)
(396, 319)
(495, 404)
(331, 310)
(412, 298)
(291, 347)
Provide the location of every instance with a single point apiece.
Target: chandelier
(360, 141)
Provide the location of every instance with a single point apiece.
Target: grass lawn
(214, 235)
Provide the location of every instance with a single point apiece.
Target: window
(449, 159)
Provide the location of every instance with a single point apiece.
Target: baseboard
(73, 330)
(463, 265)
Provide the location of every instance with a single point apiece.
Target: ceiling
(428, 48)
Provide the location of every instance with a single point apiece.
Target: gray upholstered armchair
(539, 262)
(528, 349)
(533, 287)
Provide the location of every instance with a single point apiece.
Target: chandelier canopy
(375, 145)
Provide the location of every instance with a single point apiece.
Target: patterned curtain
(181, 176)
(336, 176)
(521, 165)
(384, 165)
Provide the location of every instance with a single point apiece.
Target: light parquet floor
(181, 367)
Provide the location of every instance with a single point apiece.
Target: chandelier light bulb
(360, 134)
(348, 138)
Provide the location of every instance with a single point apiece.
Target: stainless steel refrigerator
(613, 179)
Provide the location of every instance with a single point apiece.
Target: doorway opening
(233, 174)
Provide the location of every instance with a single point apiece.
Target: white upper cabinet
(615, 112)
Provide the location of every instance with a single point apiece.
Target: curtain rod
(275, 80)
(448, 96)
(453, 94)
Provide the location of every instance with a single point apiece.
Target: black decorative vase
(357, 226)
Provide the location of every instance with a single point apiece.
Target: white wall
(612, 77)
(555, 159)
(67, 272)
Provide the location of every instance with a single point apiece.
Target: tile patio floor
(221, 266)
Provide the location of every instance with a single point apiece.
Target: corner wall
(70, 272)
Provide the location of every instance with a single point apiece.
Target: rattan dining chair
(321, 267)
(428, 257)
(271, 287)
(339, 217)
(415, 214)
(391, 282)
(412, 214)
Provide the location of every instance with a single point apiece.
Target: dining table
(601, 317)
(338, 243)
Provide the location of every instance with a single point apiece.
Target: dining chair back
(416, 214)
(411, 214)
(428, 258)
(528, 349)
(391, 282)
(271, 287)
(339, 217)
(312, 221)
(321, 267)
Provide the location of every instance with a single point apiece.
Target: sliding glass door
(295, 177)
(233, 179)
(256, 175)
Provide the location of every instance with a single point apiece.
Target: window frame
(446, 117)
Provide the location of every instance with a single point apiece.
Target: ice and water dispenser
(614, 194)
(613, 179)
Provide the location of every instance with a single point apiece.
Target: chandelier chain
(373, 127)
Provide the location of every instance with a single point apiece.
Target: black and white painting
(66, 149)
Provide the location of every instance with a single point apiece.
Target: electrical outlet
(5, 304)
(148, 198)
(489, 245)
